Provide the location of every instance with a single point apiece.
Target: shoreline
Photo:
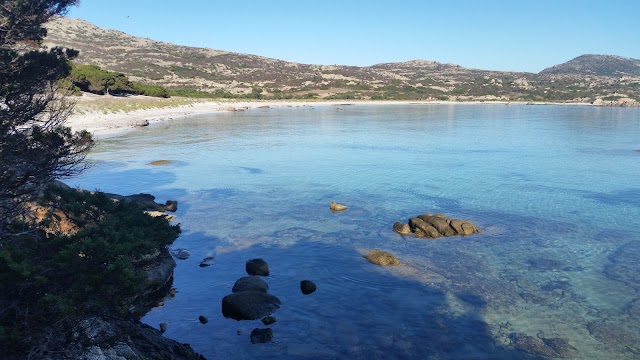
(104, 123)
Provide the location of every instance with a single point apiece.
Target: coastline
(105, 122)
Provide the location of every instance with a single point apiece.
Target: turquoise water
(555, 189)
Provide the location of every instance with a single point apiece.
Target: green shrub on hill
(93, 79)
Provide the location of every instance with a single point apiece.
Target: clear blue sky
(518, 35)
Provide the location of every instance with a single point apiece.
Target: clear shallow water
(555, 189)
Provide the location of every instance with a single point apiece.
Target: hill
(202, 71)
(598, 65)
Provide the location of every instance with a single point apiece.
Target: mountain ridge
(596, 64)
(226, 74)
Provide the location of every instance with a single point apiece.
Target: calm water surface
(556, 190)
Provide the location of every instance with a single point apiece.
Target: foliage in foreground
(35, 146)
(59, 278)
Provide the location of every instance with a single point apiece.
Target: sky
(513, 35)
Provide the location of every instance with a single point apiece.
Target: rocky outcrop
(147, 202)
(434, 226)
(381, 258)
(98, 338)
(621, 102)
(159, 269)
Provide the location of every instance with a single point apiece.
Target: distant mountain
(191, 70)
(597, 65)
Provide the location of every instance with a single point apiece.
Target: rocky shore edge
(125, 336)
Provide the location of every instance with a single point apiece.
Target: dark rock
(381, 258)
(257, 267)
(171, 206)
(97, 338)
(421, 229)
(208, 261)
(163, 327)
(159, 271)
(307, 287)
(261, 336)
(438, 222)
(250, 283)
(249, 305)
(401, 228)
(268, 320)
(203, 319)
(182, 254)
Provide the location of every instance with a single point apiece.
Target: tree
(35, 146)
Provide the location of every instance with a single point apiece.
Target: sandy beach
(106, 116)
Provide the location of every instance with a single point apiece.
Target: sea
(555, 272)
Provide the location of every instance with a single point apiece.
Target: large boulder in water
(257, 267)
(438, 222)
(433, 226)
(250, 283)
(421, 229)
(249, 305)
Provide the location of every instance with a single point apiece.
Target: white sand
(104, 124)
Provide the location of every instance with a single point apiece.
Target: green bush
(93, 79)
(97, 270)
(151, 90)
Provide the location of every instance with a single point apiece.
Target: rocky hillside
(597, 65)
(190, 70)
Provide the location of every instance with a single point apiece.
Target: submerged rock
(382, 258)
(163, 327)
(249, 305)
(307, 287)
(182, 254)
(268, 320)
(206, 262)
(257, 267)
(160, 162)
(203, 319)
(548, 347)
(335, 207)
(401, 228)
(261, 336)
(250, 283)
